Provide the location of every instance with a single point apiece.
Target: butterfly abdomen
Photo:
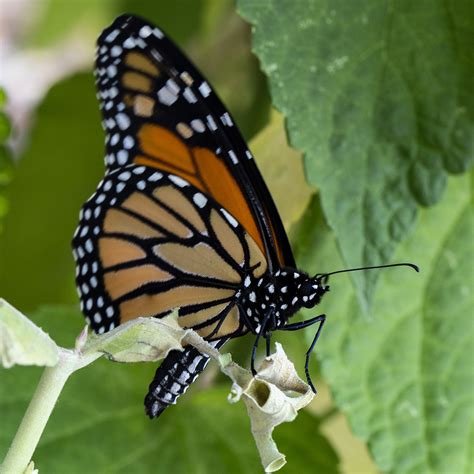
(173, 377)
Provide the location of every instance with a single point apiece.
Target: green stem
(39, 410)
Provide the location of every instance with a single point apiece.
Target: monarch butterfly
(182, 219)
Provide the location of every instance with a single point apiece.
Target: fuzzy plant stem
(39, 410)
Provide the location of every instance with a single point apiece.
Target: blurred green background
(376, 101)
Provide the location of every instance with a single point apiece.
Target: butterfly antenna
(411, 265)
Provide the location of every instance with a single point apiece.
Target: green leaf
(404, 373)
(58, 19)
(379, 98)
(273, 156)
(99, 423)
(6, 162)
(6, 175)
(22, 342)
(57, 173)
(3, 97)
(138, 340)
(5, 127)
(164, 15)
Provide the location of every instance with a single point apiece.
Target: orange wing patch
(151, 305)
(230, 324)
(114, 251)
(140, 62)
(121, 282)
(200, 260)
(117, 221)
(200, 167)
(151, 210)
(136, 81)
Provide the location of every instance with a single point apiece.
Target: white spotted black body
(283, 293)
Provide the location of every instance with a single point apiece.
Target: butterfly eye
(307, 289)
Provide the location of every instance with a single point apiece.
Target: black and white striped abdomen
(173, 377)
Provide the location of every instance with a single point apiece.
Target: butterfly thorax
(280, 294)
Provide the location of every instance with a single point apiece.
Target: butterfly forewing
(149, 242)
(158, 111)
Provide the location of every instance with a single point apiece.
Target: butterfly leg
(303, 324)
(257, 339)
(268, 340)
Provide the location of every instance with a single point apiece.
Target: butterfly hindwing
(149, 242)
(159, 111)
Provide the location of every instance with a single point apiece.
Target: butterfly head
(311, 291)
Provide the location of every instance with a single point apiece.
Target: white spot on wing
(204, 89)
(233, 157)
(158, 33)
(111, 71)
(129, 43)
(128, 142)
(122, 157)
(226, 120)
(124, 176)
(145, 31)
(116, 51)
(229, 218)
(172, 86)
(112, 35)
(200, 200)
(166, 96)
(123, 121)
(178, 181)
(189, 95)
(155, 176)
(198, 125)
(115, 138)
(211, 123)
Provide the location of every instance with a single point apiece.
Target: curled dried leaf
(273, 397)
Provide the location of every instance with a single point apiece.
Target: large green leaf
(404, 373)
(378, 96)
(57, 173)
(99, 423)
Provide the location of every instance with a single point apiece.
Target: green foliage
(404, 373)
(22, 342)
(104, 429)
(378, 96)
(58, 20)
(6, 163)
(57, 173)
